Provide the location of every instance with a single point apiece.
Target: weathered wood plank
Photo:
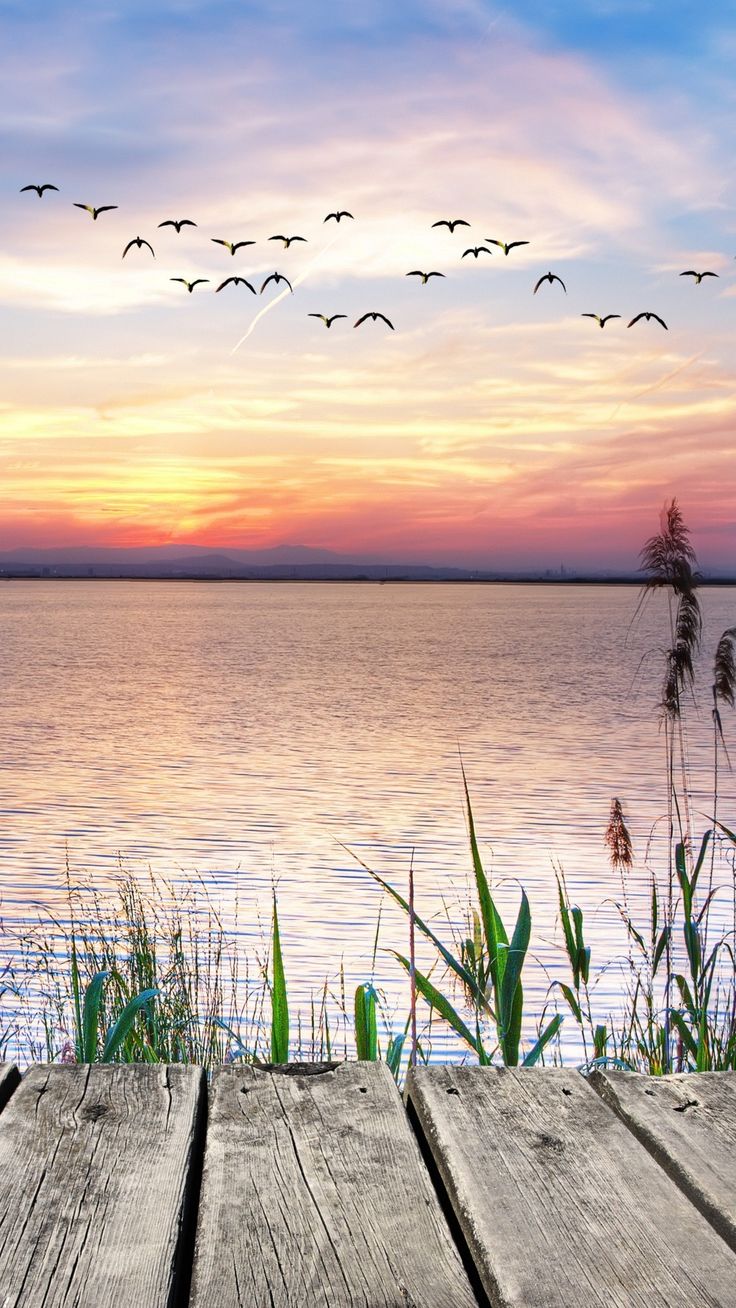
(560, 1205)
(314, 1193)
(95, 1168)
(688, 1123)
(9, 1079)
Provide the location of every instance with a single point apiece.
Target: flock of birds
(338, 215)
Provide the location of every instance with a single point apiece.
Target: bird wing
(186, 222)
(544, 278)
(317, 315)
(270, 278)
(492, 241)
(32, 187)
(217, 240)
(344, 213)
(690, 273)
(435, 274)
(555, 278)
(416, 273)
(590, 315)
(512, 244)
(148, 243)
(367, 315)
(125, 251)
(638, 318)
(338, 315)
(459, 222)
(169, 223)
(200, 281)
(610, 315)
(443, 222)
(49, 186)
(278, 238)
(226, 282)
(105, 208)
(661, 321)
(288, 283)
(709, 274)
(385, 319)
(297, 238)
(327, 219)
(88, 207)
(183, 280)
(239, 245)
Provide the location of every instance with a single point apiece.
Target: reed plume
(617, 838)
(670, 561)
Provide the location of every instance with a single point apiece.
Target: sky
(493, 427)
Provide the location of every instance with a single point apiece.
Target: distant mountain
(94, 556)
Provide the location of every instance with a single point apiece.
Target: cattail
(617, 838)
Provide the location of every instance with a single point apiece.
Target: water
(249, 732)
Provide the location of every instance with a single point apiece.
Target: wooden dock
(318, 1186)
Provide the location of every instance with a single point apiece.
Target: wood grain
(95, 1168)
(560, 1205)
(688, 1123)
(9, 1081)
(314, 1194)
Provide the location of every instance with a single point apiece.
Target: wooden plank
(314, 1192)
(560, 1206)
(9, 1079)
(95, 1177)
(688, 1123)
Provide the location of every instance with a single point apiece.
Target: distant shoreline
(357, 579)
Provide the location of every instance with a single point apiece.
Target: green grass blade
(279, 1004)
(493, 927)
(516, 955)
(119, 1032)
(91, 1017)
(441, 1005)
(549, 1033)
(366, 1027)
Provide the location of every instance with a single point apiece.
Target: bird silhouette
(698, 276)
(327, 321)
(232, 246)
(505, 245)
(655, 316)
(475, 250)
(337, 215)
(287, 239)
(276, 277)
(424, 276)
(235, 281)
(601, 321)
(178, 223)
(200, 281)
(374, 316)
(47, 186)
(452, 223)
(104, 208)
(550, 277)
(139, 241)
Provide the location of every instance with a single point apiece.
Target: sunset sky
(494, 427)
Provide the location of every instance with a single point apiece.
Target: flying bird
(424, 276)
(655, 316)
(232, 246)
(374, 316)
(235, 281)
(287, 239)
(601, 321)
(505, 245)
(339, 213)
(47, 186)
(178, 223)
(327, 321)
(698, 276)
(452, 223)
(475, 250)
(139, 241)
(104, 208)
(200, 281)
(550, 277)
(276, 277)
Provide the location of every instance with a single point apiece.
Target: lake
(257, 733)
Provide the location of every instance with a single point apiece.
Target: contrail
(297, 282)
(655, 386)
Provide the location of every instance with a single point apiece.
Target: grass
(150, 972)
